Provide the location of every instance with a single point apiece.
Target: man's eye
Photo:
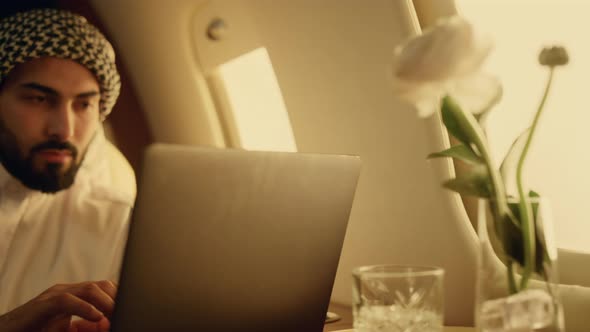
(84, 105)
(36, 99)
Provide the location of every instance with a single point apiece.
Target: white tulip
(445, 59)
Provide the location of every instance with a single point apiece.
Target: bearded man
(65, 192)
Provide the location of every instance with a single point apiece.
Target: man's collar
(4, 176)
(9, 183)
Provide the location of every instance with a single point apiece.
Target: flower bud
(553, 56)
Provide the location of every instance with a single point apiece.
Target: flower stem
(478, 138)
(473, 134)
(511, 280)
(524, 206)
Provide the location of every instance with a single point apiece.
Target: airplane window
(251, 103)
(559, 160)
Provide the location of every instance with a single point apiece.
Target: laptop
(233, 240)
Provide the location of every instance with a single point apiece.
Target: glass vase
(509, 298)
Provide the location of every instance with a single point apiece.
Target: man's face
(49, 112)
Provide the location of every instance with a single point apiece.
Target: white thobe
(75, 235)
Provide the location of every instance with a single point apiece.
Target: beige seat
(122, 174)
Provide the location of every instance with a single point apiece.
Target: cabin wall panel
(332, 60)
(155, 40)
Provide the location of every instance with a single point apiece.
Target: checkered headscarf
(57, 33)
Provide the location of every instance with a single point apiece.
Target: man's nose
(60, 125)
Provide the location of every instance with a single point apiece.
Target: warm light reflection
(252, 105)
(559, 162)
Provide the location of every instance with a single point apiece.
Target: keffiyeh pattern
(57, 33)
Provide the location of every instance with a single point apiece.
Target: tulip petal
(477, 93)
(425, 97)
(450, 48)
(427, 107)
(445, 60)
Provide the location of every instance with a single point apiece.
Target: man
(65, 192)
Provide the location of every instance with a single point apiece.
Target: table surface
(445, 329)
(345, 323)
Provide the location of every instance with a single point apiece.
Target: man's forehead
(59, 74)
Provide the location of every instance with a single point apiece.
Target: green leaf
(513, 240)
(508, 167)
(451, 116)
(458, 151)
(535, 205)
(506, 237)
(514, 208)
(462, 125)
(474, 182)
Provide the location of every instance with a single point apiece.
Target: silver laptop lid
(230, 240)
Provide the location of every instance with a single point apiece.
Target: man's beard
(51, 178)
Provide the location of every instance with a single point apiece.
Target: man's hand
(53, 309)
